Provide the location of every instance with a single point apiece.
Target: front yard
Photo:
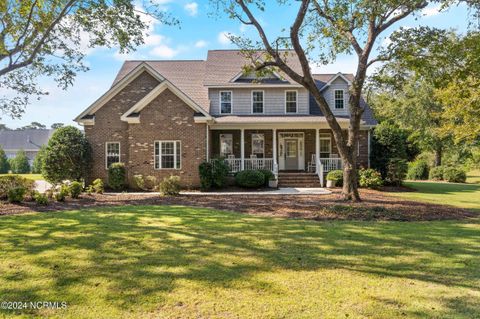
(174, 261)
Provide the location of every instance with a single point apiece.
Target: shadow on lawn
(139, 251)
(444, 188)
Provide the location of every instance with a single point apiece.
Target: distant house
(28, 140)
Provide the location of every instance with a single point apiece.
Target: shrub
(14, 181)
(39, 160)
(4, 164)
(41, 199)
(16, 194)
(67, 156)
(396, 171)
(116, 176)
(75, 189)
(417, 170)
(19, 164)
(206, 179)
(267, 174)
(97, 186)
(147, 183)
(369, 178)
(220, 171)
(250, 179)
(337, 176)
(170, 186)
(454, 175)
(436, 173)
(61, 193)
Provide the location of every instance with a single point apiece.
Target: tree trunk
(350, 177)
(438, 155)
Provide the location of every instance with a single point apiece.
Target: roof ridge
(180, 60)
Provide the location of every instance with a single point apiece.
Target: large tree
(326, 28)
(51, 37)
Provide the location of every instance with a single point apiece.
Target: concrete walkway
(280, 191)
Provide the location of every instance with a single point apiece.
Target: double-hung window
(225, 102)
(112, 153)
(167, 155)
(258, 145)
(339, 99)
(325, 145)
(226, 144)
(257, 101)
(291, 101)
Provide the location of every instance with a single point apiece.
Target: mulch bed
(375, 206)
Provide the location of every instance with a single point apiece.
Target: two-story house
(164, 118)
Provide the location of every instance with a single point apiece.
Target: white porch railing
(259, 163)
(330, 164)
(235, 164)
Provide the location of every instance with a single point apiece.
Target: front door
(291, 154)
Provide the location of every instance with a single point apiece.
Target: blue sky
(198, 33)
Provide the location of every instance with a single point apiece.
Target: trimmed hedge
(250, 179)
(116, 176)
(268, 175)
(418, 170)
(454, 175)
(436, 173)
(337, 176)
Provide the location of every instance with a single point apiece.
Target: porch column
(274, 146)
(242, 148)
(317, 149)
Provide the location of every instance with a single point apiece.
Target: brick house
(164, 118)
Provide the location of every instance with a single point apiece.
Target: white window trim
(263, 101)
(335, 99)
(220, 101)
(329, 138)
(263, 139)
(220, 144)
(160, 154)
(296, 101)
(119, 152)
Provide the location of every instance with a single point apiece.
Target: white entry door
(291, 151)
(291, 154)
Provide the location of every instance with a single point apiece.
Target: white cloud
(164, 51)
(223, 37)
(431, 11)
(201, 44)
(191, 8)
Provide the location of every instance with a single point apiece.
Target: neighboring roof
(224, 65)
(186, 75)
(30, 139)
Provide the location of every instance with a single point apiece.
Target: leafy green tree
(33, 126)
(19, 164)
(67, 156)
(38, 161)
(56, 125)
(4, 165)
(51, 37)
(321, 30)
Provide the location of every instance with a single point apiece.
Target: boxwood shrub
(369, 178)
(454, 175)
(336, 176)
(170, 186)
(16, 194)
(436, 173)
(116, 176)
(250, 179)
(268, 175)
(417, 170)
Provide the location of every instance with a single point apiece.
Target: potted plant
(273, 182)
(334, 178)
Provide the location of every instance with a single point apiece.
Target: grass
(173, 261)
(35, 177)
(459, 195)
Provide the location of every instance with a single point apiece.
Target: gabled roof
(326, 79)
(224, 65)
(30, 139)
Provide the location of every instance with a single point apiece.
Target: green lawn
(34, 177)
(178, 262)
(473, 177)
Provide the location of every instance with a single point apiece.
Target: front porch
(278, 150)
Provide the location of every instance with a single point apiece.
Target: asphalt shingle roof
(24, 139)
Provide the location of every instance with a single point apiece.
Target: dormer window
(290, 101)
(225, 102)
(339, 99)
(257, 102)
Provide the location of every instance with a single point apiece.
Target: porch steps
(298, 179)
